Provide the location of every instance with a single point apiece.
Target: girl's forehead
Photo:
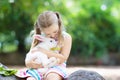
(51, 28)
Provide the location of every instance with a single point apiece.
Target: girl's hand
(33, 64)
(36, 65)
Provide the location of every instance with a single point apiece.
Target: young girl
(49, 24)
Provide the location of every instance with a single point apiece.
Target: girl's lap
(56, 71)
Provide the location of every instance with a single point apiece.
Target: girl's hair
(45, 20)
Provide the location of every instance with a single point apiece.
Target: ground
(108, 72)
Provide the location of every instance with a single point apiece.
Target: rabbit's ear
(39, 37)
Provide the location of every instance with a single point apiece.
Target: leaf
(7, 72)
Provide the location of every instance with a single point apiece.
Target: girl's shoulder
(65, 34)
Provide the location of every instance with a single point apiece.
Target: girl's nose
(52, 36)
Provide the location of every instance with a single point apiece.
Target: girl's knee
(53, 76)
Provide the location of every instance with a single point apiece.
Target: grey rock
(8, 78)
(85, 75)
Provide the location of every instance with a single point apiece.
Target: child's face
(51, 31)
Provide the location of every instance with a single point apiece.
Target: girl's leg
(53, 76)
(30, 78)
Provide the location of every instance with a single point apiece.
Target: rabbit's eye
(51, 41)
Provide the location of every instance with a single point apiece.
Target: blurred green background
(93, 24)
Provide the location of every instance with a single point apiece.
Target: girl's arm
(32, 63)
(65, 50)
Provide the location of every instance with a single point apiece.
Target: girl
(49, 24)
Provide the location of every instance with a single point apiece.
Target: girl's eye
(48, 34)
(55, 32)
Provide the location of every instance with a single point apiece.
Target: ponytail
(37, 31)
(60, 36)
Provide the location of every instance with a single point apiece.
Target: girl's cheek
(56, 34)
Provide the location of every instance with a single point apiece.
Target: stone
(85, 75)
(13, 77)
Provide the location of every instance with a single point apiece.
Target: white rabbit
(39, 57)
